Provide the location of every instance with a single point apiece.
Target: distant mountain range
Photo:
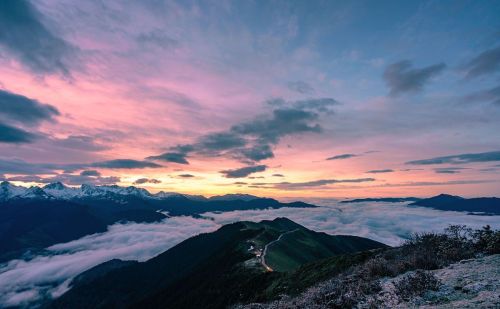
(383, 199)
(34, 218)
(58, 190)
(479, 205)
(486, 205)
(240, 262)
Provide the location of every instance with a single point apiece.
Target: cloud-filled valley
(127, 127)
(49, 273)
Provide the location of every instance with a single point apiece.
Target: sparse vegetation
(416, 284)
(360, 284)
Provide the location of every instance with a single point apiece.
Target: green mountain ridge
(213, 270)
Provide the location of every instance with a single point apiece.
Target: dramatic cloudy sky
(275, 98)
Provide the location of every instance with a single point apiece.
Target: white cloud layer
(49, 275)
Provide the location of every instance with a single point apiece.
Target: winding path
(263, 257)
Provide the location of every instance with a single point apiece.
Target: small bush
(487, 240)
(432, 251)
(416, 284)
(351, 290)
(379, 267)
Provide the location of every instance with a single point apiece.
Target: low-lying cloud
(380, 171)
(70, 179)
(25, 168)
(49, 274)
(10, 134)
(141, 181)
(342, 156)
(487, 62)
(491, 156)
(400, 77)
(174, 157)
(125, 164)
(317, 183)
(449, 170)
(25, 110)
(244, 171)
(18, 114)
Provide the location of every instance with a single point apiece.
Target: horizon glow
(282, 99)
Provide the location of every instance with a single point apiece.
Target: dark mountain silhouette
(211, 270)
(35, 224)
(34, 218)
(487, 205)
(384, 199)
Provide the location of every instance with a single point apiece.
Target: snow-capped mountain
(8, 190)
(102, 191)
(58, 190)
(35, 193)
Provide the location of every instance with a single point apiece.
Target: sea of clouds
(48, 275)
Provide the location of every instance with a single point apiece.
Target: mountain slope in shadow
(487, 205)
(34, 218)
(211, 270)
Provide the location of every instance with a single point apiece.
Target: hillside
(32, 225)
(34, 218)
(302, 246)
(231, 258)
(422, 273)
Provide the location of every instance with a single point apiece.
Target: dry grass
(422, 252)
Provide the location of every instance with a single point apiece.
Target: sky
(272, 98)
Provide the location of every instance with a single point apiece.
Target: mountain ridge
(22, 209)
(58, 190)
(486, 205)
(176, 278)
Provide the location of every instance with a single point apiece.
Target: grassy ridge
(211, 270)
(303, 246)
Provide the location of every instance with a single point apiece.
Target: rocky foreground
(472, 283)
(459, 268)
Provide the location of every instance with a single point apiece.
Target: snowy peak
(8, 190)
(55, 186)
(35, 193)
(59, 190)
(134, 191)
(91, 190)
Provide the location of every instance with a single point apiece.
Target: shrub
(416, 284)
(432, 251)
(379, 267)
(487, 240)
